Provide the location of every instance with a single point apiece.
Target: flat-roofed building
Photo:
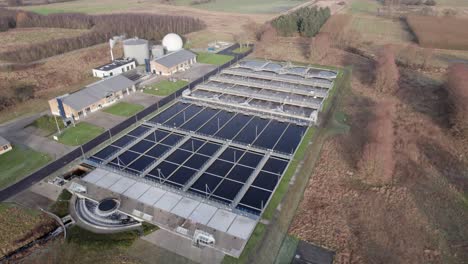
(92, 97)
(171, 63)
(114, 68)
(5, 146)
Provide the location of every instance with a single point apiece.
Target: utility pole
(58, 127)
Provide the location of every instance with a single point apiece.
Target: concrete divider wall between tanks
(56, 165)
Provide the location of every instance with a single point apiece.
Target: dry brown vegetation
(440, 32)
(457, 87)
(387, 74)
(55, 76)
(412, 207)
(21, 226)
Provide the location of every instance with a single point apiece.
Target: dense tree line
(305, 21)
(148, 26)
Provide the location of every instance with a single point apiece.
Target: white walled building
(114, 68)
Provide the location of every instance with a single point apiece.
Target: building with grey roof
(92, 97)
(114, 68)
(171, 63)
(5, 145)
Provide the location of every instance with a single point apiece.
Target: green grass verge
(80, 134)
(165, 87)
(256, 236)
(60, 207)
(284, 184)
(124, 109)
(47, 123)
(148, 228)
(93, 241)
(213, 58)
(241, 50)
(287, 250)
(343, 78)
(19, 162)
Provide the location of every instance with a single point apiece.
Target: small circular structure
(172, 42)
(107, 206)
(137, 49)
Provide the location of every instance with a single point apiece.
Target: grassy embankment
(79, 134)
(164, 87)
(124, 109)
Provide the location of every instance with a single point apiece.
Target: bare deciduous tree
(387, 74)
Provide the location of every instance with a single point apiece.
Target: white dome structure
(172, 42)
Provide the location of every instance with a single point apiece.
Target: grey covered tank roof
(135, 41)
(97, 91)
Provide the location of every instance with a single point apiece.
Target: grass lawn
(19, 162)
(60, 207)
(287, 251)
(165, 87)
(213, 58)
(124, 109)
(47, 123)
(241, 50)
(80, 134)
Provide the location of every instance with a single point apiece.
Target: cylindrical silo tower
(137, 49)
(157, 51)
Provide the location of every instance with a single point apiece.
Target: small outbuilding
(171, 63)
(5, 145)
(114, 68)
(92, 97)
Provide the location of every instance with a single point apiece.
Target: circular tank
(172, 42)
(157, 51)
(107, 206)
(137, 49)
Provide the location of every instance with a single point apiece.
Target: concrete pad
(242, 227)
(151, 196)
(136, 190)
(168, 201)
(108, 180)
(203, 213)
(185, 207)
(221, 220)
(122, 185)
(95, 175)
(183, 247)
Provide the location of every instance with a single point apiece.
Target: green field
(165, 87)
(124, 109)
(19, 162)
(80, 134)
(241, 50)
(381, 30)
(245, 6)
(364, 6)
(109, 6)
(88, 6)
(213, 58)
